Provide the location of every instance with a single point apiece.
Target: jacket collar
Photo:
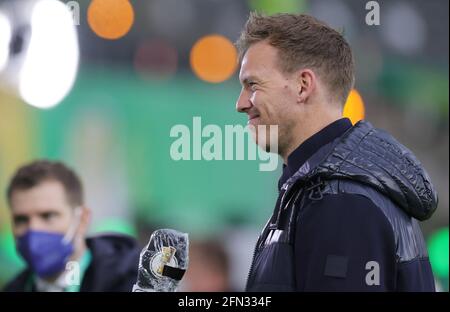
(309, 147)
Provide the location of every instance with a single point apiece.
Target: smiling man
(50, 221)
(349, 196)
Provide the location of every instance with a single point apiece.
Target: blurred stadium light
(354, 107)
(5, 38)
(438, 252)
(43, 55)
(214, 58)
(110, 19)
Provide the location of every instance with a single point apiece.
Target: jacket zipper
(251, 265)
(258, 242)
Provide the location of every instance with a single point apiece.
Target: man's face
(268, 95)
(41, 208)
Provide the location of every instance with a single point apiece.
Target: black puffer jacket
(346, 221)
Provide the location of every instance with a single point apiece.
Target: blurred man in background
(209, 267)
(50, 222)
(350, 196)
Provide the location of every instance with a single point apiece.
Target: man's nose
(35, 224)
(243, 103)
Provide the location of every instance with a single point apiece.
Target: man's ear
(306, 84)
(85, 219)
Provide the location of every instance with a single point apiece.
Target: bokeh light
(272, 7)
(180, 28)
(438, 252)
(354, 107)
(51, 62)
(404, 28)
(213, 58)
(5, 37)
(110, 19)
(338, 15)
(156, 59)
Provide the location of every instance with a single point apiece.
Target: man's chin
(264, 143)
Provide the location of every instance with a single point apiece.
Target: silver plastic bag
(163, 261)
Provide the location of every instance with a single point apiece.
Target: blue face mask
(46, 253)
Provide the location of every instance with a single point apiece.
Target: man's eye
(20, 220)
(252, 85)
(48, 215)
